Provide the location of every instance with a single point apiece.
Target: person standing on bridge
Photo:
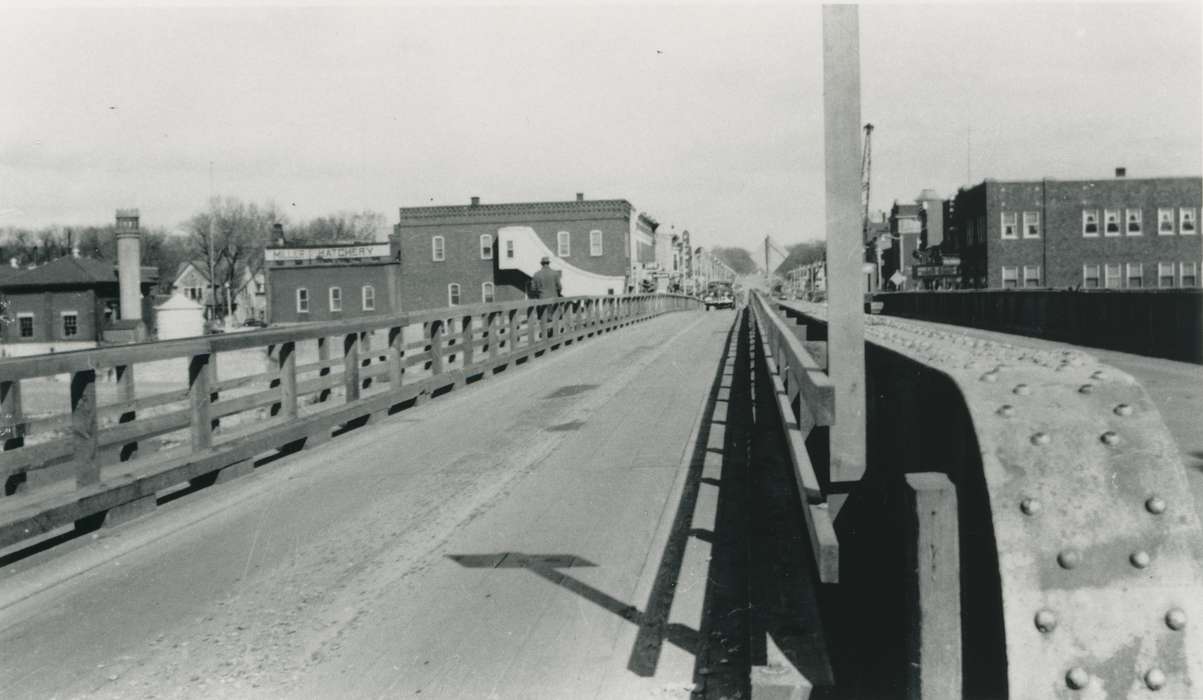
(545, 284)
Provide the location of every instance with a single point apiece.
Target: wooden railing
(805, 399)
(81, 444)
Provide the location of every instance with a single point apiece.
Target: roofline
(511, 207)
(1037, 181)
(324, 245)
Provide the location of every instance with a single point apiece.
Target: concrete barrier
(1154, 322)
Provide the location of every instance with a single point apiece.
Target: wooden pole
(845, 318)
(934, 558)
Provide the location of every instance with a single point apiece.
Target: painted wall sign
(331, 253)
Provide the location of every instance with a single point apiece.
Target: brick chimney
(1121, 172)
(278, 233)
(129, 264)
(580, 196)
(476, 201)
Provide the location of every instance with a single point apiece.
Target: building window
(70, 324)
(1090, 223)
(1031, 275)
(302, 300)
(1010, 277)
(368, 295)
(1190, 274)
(1165, 274)
(1090, 276)
(336, 299)
(438, 250)
(595, 243)
(25, 324)
(509, 250)
(453, 294)
(563, 244)
(1031, 224)
(1134, 222)
(194, 293)
(486, 247)
(1111, 222)
(1165, 222)
(1135, 275)
(1186, 221)
(1009, 225)
(486, 293)
(1112, 276)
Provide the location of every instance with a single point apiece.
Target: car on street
(719, 295)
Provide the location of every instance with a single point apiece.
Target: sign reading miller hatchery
(319, 254)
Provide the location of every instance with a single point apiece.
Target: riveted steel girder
(1099, 543)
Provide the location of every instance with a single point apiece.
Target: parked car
(254, 323)
(719, 295)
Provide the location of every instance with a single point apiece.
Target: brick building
(1120, 233)
(68, 303)
(327, 282)
(479, 253)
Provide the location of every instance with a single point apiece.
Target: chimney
(1121, 172)
(129, 264)
(580, 196)
(476, 201)
(278, 233)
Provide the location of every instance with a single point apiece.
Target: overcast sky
(708, 117)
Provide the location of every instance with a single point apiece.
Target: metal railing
(70, 455)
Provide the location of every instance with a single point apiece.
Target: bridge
(605, 497)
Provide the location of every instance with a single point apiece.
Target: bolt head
(1155, 679)
(1123, 410)
(1155, 505)
(989, 377)
(1109, 438)
(1077, 678)
(1069, 558)
(1140, 559)
(1041, 439)
(1098, 374)
(1022, 389)
(1029, 506)
(1046, 620)
(1175, 619)
(1006, 410)
(1086, 389)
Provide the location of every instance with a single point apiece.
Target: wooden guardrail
(102, 460)
(805, 399)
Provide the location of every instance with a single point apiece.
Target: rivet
(1155, 679)
(1109, 438)
(1022, 389)
(1098, 374)
(1140, 559)
(1077, 678)
(1069, 558)
(1175, 619)
(1123, 410)
(1086, 389)
(1029, 506)
(1155, 505)
(1040, 439)
(1046, 621)
(1006, 410)
(989, 377)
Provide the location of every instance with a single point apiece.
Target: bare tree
(228, 238)
(341, 227)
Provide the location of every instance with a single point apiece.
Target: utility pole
(212, 229)
(845, 251)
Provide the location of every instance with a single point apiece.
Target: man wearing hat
(545, 284)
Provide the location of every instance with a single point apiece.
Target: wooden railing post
(436, 346)
(323, 355)
(125, 396)
(84, 426)
(214, 395)
(467, 334)
(934, 559)
(494, 333)
(365, 352)
(13, 436)
(272, 364)
(286, 357)
(533, 314)
(511, 330)
(396, 357)
(351, 366)
(200, 399)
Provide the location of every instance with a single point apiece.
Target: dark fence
(1157, 322)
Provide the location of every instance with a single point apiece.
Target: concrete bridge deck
(519, 539)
